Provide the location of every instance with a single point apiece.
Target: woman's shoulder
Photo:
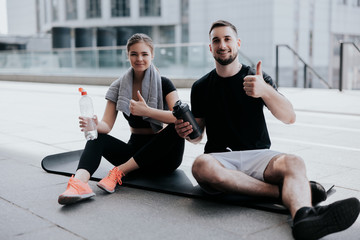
(165, 79)
(116, 83)
(167, 85)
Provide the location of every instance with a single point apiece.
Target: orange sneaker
(76, 190)
(109, 182)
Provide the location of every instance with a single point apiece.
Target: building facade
(311, 28)
(86, 23)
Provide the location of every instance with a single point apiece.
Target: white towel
(151, 91)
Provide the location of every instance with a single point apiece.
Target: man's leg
(207, 170)
(290, 170)
(308, 222)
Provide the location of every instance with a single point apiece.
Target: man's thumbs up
(254, 85)
(258, 69)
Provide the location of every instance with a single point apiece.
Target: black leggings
(158, 153)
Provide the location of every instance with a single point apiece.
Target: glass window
(55, 10)
(124, 33)
(45, 12)
(184, 20)
(93, 9)
(71, 9)
(341, 2)
(120, 8)
(167, 34)
(150, 8)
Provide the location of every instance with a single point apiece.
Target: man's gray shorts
(250, 162)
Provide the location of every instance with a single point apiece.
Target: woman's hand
(139, 108)
(86, 124)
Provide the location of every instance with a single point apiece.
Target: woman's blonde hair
(140, 37)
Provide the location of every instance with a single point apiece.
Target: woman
(144, 97)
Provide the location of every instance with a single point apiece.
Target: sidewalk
(39, 119)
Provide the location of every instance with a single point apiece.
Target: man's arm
(280, 107)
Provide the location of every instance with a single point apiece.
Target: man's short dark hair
(222, 23)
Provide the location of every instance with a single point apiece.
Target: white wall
(170, 15)
(285, 27)
(21, 17)
(345, 19)
(3, 17)
(322, 34)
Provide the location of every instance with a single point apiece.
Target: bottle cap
(83, 92)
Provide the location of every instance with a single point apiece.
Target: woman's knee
(100, 139)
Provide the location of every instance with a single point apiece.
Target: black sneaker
(318, 192)
(316, 222)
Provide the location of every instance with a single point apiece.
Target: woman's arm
(140, 108)
(108, 119)
(107, 123)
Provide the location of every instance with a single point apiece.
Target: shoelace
(115, 175)
(74, 185)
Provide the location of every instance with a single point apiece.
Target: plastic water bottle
(87, 111)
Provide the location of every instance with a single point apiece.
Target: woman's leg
(114, 150)
(125, 165)
(163, 153)
(128, 166)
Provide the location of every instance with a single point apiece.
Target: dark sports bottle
(182, 111)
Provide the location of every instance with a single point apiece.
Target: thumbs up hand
(138, 108)
(254, 85)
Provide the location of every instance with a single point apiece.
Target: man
(229, 102)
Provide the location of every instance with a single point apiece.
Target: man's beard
(226, 61)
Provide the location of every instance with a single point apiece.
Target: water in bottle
(87, 111)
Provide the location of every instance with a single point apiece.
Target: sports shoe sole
(105, 189)
(70, 199)
(339, 216)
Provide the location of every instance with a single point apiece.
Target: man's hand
(254, 85)
(138, 108)
(182, 128)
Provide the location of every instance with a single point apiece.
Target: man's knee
(204, 169)
(199, 166)
(293, 164)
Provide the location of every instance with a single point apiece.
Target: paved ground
(40, 119)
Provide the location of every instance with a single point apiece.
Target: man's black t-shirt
(233, 119)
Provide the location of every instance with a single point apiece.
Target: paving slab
(13, 216)
(41, 119)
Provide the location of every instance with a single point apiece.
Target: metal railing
(306, 67)
(341, 61)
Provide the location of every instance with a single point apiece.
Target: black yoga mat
(180, 182)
